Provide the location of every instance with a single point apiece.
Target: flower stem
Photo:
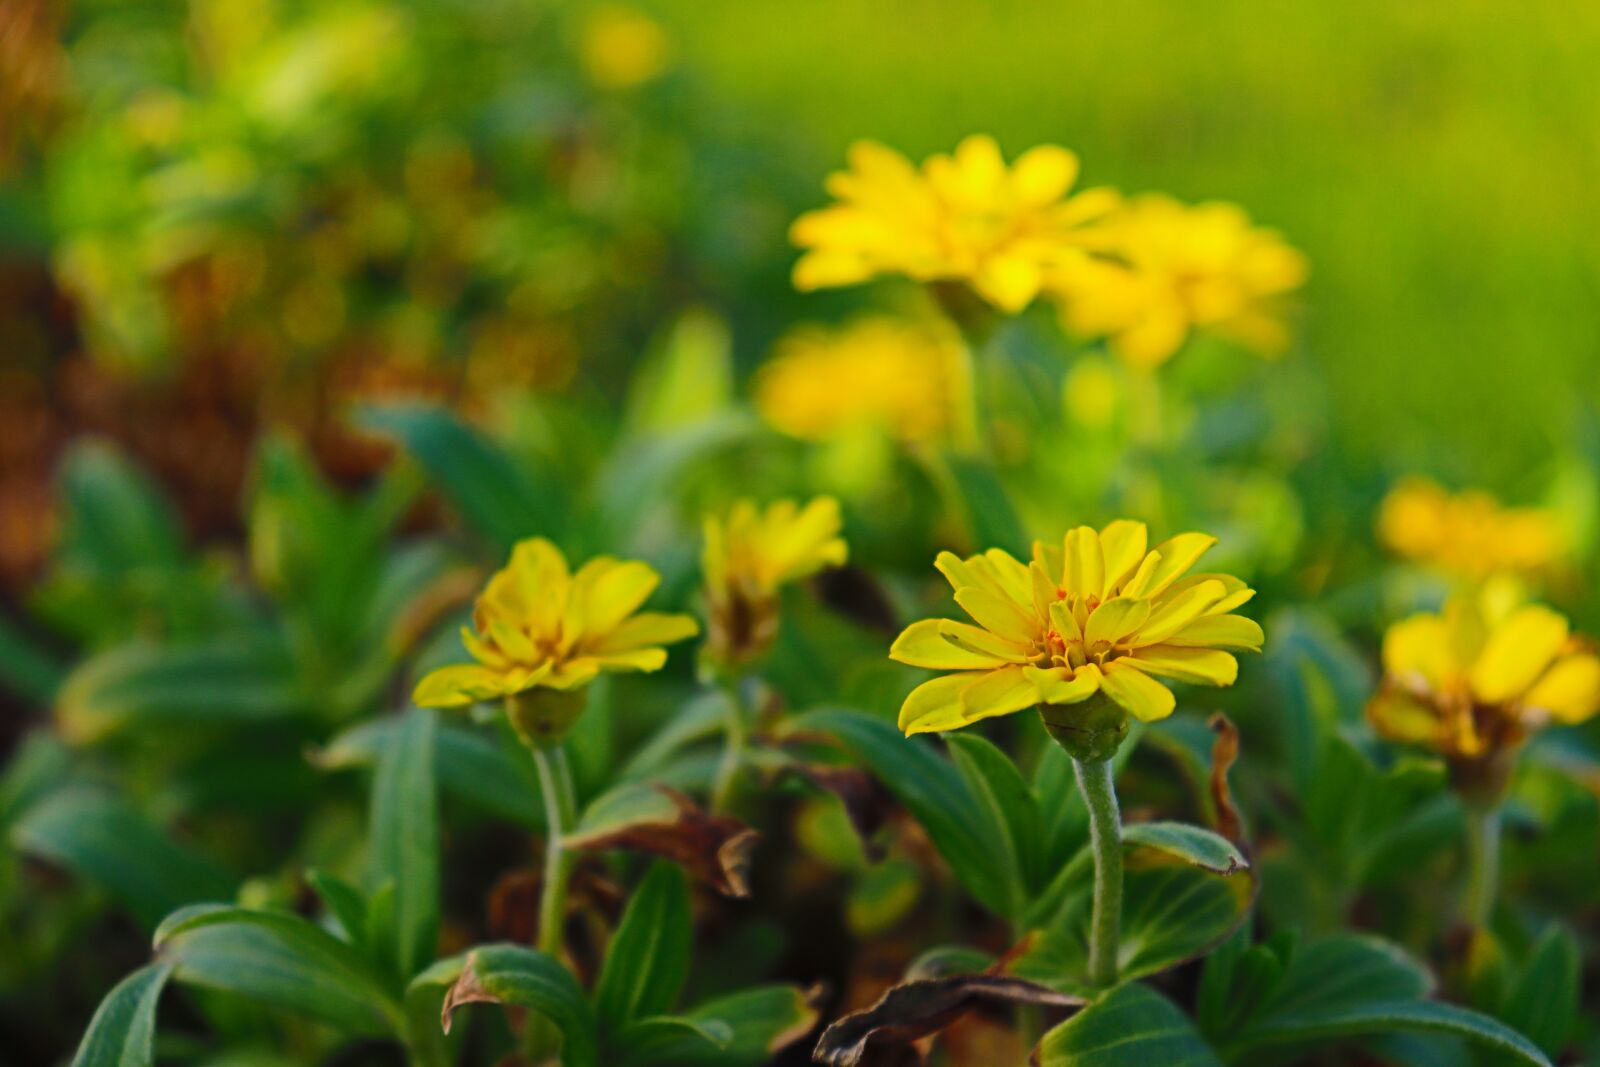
(555, 786)
(733, 746)
(1096, 782)
(1483, 863)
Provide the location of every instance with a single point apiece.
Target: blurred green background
(1437, 161)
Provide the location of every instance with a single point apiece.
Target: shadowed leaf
(664, 822)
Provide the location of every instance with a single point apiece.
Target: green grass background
(1440, 163)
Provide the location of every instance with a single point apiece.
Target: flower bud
(1089, 731)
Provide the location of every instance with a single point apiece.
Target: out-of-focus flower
(965, 217)
(749, 555)
(1099, 615)
(622, 47)
(1167, 269)
(1474, 680)
(879, 373)
(540, 632)
(1468, 534)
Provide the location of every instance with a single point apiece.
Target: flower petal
(923, 644)
(1144, 698)
(936, 704)
(646, 628)
(1086, 566)
(458, 685)
(1417, 651)
(1058, 685)
(1116, 619)
(1178, 554)
(1569, 690)
(1202, 666)
(1179, 612)
(999, 693)
(635, 659)
(1517, 653)
(1124, 543)
(614, 590)
(997, 613)
(1220, 631)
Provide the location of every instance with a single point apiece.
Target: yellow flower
(1468, 534)
(622, 47)
(877, 373)
(964, 217)
(1099, 615)
(538, 626)
(1475, 679)
(1167, 269)
(749, 556)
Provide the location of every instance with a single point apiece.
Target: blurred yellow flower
(539, 626)
(622, 47)
(1468, 534)
(1168, 268)
(1475, 679)
(749, 555)
(964, 217)
(878, 373)
(1099, 615)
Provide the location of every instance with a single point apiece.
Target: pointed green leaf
(405, 839)
(1322, 1023)
(1006, 804)
(1131, 1026)
(761, 1021)
(513, 975)
(344, 903)
(668, 1041)
(1191, 844)
(122, 1032)
(1543, 1000)
(648, 957)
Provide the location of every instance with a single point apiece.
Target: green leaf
(495, 495)
(648, 958)
(37, 767)
(933, 791)
(1191, 844)
(512, 975)
(1324, 1022)
(762, 1021)
(280, 959)
(1171, 912)
(344, 902)
(424, 1003)
(1131, 1026)
(26, 669)
(468, 763)
(1007, 806)
(122, 1032)
(229, 681)
(687, 378)
(1543, 1000)
(117, 519)
(405, 839)
(668, 1041)
(113, 845)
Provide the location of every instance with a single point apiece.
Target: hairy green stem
(1096, 782)
(1483, 864)
(732, 749)
(555, 786)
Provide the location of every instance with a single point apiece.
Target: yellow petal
(1569, 690)
(1139, 584)
(923, 645)
(998, 693)
(646, 628)
(936, 705)
(1417, 650)
(1399, 716)
(1203, 666)
(1220, 631)
(614, 590)
(1008, 282)
(981, 641)
(572, 673)
(955, 570)
(636, 659)
(1178, 554)
(1116, 619)
(1144, 698)
(513, 642)
(1517, 652)
(455, 686)
(1177, 613)
(1086, 565)
(1058, 685)
(996, 613)
(1124, 543)
(483, 651)
(1042, 175)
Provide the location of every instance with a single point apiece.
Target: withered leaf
(663, 822)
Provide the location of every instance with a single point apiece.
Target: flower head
(538, 626)
(1474, 680)
(1469, 534)
(1099, 615)
(749, 555)
(964, 217)
(1169, 268)
(879, 373)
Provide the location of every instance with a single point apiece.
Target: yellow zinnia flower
(1100, 615)
(749, 556)
(1169, 268)
(1474, 680)
(1468, 534)
(622, 47)
(539, 627)
(877, 373)
(963, 217)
